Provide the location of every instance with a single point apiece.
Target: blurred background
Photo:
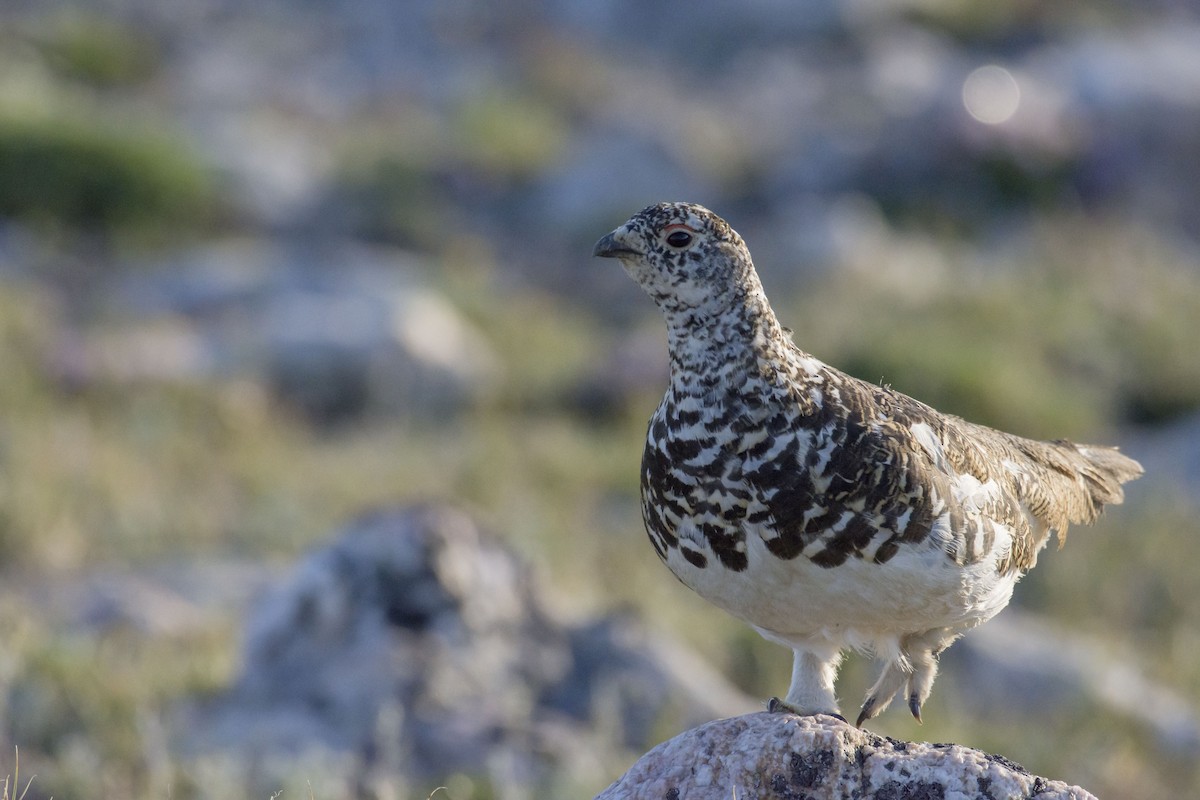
(320, 429)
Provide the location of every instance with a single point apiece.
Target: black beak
(609, 247)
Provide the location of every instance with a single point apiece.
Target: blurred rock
(774, 755)
(162, 350)
(636, 367)
(169, 600)
(1021, 665)
(338, 331)
(1171, 456)
(416, 645)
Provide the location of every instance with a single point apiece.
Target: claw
(914, 705)
(777, 706)
(865, 714)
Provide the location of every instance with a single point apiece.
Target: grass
(11, 784)
(509, 135)
(84, 157)
(411, 178)
(96, 50)
(67, 173)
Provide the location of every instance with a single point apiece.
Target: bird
(829, 513)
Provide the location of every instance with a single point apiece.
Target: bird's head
(684, 256)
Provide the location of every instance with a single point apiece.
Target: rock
(1171, 454)
(1020, 665)
(771, 755)
(338, 331)
(417, 647)
(636, 366)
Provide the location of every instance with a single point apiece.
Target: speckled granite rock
(768, 755)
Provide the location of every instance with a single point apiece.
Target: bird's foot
(777, 706)
(872, 707)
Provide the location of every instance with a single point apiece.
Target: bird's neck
(728, 344)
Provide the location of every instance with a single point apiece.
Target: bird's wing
(873, 471)
(882, 470)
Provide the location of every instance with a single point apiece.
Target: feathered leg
(894, 676)
(914, 667)
(925, 666)
(814, 671)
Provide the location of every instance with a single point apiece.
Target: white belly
(858, 603)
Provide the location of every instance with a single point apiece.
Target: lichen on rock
(772, 755)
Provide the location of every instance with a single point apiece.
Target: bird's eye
(679, 239)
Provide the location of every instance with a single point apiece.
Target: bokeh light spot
(991, 94)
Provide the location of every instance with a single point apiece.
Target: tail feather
(1110, 469)
(1068, 483)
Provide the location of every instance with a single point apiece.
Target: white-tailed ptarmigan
(827, 512)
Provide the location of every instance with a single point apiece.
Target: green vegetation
(394, 176)
(62, 174)
(509, 135)
(97, 51)
(1001, 22)
(393, 194)
(84, 157)
(1086, 325)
